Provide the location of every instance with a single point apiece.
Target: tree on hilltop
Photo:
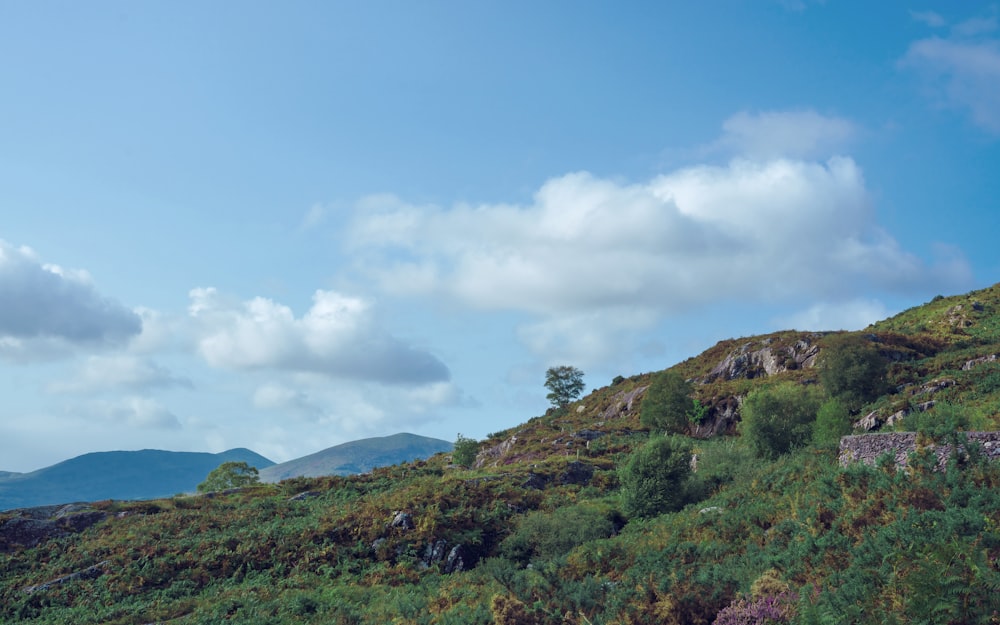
(229, 475)
(565, 384)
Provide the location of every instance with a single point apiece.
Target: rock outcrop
(763, 358)
(868, 448)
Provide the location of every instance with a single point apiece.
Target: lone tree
(464, 451)
(565, 384)
(229, 475)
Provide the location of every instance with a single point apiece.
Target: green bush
(852, 370)
(667, 404)
(833, 420)
(778, 419)
(465, 450)
(548, 535)
(654, 478)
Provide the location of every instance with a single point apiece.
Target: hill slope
(538, 533)
(357, 457)
(145, 474)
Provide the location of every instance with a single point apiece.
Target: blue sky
(285, 226)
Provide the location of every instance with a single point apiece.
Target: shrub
(465, 450)
(667, 404)
(832, 421)
(778, 419)
(654, 478)
(852, 370)
(550, 535)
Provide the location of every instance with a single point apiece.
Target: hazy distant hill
(145, 474)
(357, 457)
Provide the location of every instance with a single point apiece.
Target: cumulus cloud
(51, 308)
(337, 337)
(595, 259)
(101, 373)
(274, 396)
(963, 70)
(854, 314)
(136, 412)
(773, 134)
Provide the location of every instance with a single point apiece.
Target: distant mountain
(146, 474)
(357, 457)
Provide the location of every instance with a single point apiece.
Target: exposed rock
(536, 481)
(722, 417)
(978, 361)
(934, 386)
(710, 509)
(303, 496)
(588, 435)
(456, 560)
(27, 532)
(925, 406)
(434, 552)
(623, 404)
(576, 473)
(403, 521)
(868, 422)
(90, 572)
(79, 521)
(378, 542)
(749, 363)
(493, 455)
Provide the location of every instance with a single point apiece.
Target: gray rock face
(403, 521)
(492, 456)
(456, 560)
(624, 404)
(576, 473)
(747, 362)
(33, 526)
(90, 572)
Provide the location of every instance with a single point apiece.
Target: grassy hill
(357, 457)
(145, 474)
(537, 532)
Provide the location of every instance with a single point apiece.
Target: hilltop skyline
(288, 228)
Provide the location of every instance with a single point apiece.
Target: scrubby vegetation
(586, 516)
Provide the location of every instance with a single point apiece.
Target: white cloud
(101, 373)
(596, 261)
(337, 337)
(963, 72)
(49, 310)
(854, 314)
(932, 19)
(278, 397)
(785, 134)
(136, 412)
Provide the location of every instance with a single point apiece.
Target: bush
(833, 420)
(464, 452)
(550, 535)
(778, 419)
(852, 370)
(654, 478)
(667, 404)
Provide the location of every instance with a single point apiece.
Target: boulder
(576, 473)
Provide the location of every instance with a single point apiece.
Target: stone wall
(869, 447)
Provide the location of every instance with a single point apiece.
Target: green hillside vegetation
(585, 515)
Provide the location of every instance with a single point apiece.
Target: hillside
(357, 457)
(145, 474)
(544, 528)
